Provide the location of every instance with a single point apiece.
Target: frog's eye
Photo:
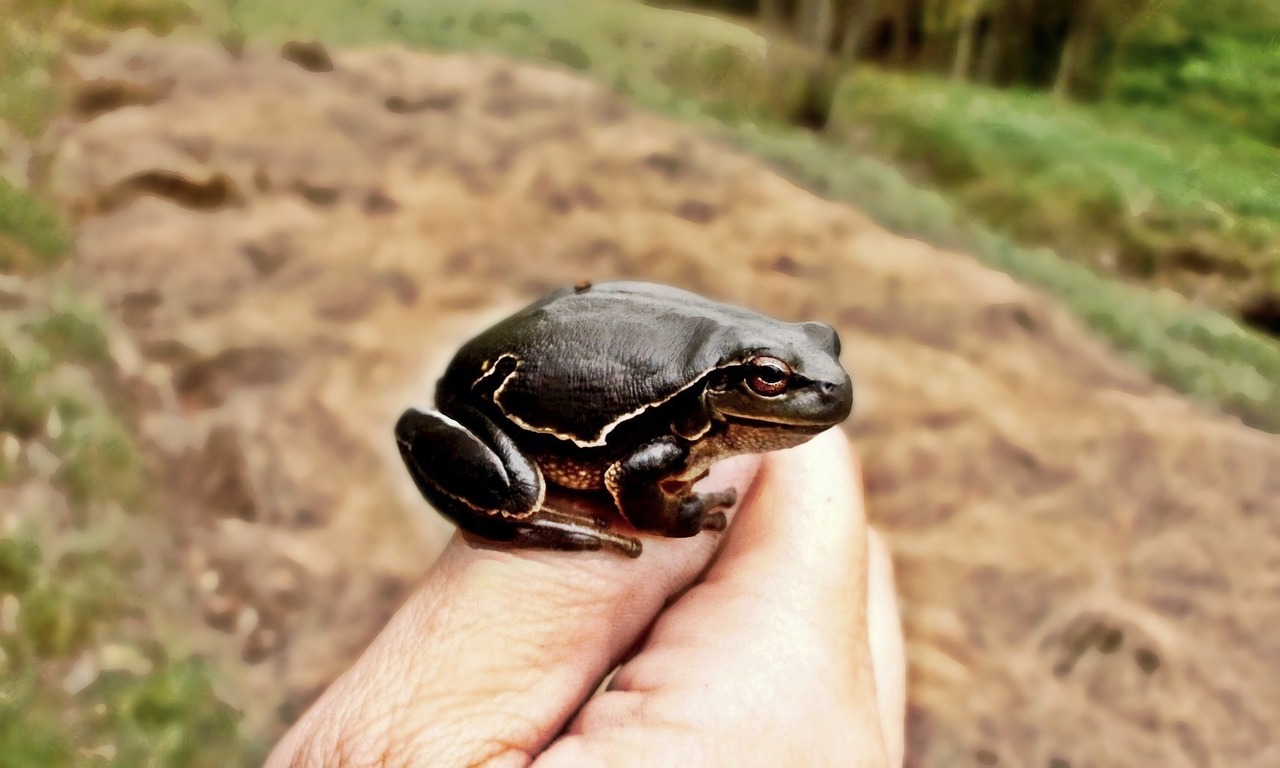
(768, 376)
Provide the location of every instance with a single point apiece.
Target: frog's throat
(602, 436)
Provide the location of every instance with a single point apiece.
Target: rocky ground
(290, 242)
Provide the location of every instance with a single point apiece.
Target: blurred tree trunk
(901, 32)
(815, 24)
(1075, 48)
(993, 44)
(936, 25)
(1066, 64)
(963, 60)
(822, 26)
(1118, 55)
(855, 21)
(772, 14)
(1132, 15)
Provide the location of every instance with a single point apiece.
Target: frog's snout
(836, 396)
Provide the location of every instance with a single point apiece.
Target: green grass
(683, 63)
(1229, 78)
(81, 686)
(32, 237)
(1151, 188)
(1142, 191)
(85, 675)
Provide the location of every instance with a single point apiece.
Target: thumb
(495, 651)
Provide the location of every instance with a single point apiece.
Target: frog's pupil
(771, 374)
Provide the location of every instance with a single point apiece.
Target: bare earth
(1090, 565)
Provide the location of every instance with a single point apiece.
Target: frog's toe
(715, 521)
(720, 499)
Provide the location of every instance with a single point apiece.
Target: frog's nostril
(833, 388)
(835, 393)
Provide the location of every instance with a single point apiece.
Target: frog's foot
(713, 504)
(646, 491)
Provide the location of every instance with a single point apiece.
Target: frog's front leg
(476, 476)
(648, 491)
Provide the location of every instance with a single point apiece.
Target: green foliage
(662, 58)
(1125, 188)
(84, 680)
(80, 688)
(1196, 350)
(1143, 192)
(74, 608)
(158, 16)
(1215, 80)
(33, 33)
(18, 563)
(568, 53)
(32, 237)
(24, 365)
(70, 335)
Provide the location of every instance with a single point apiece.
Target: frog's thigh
(476, 476)
(468, 469)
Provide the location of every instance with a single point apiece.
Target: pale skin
(777, 643)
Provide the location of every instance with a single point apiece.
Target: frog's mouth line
(802, 428)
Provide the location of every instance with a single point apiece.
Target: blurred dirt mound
(289, 244)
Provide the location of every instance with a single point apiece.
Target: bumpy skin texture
(629, 391)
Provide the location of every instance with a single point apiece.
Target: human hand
(779, 645)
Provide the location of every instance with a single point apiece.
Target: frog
(623, 394)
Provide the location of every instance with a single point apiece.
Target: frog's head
(792, 379)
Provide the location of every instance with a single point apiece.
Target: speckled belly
(573, 473)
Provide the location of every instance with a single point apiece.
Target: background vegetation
(1152, 176)
(93, 671)
(1061, 141)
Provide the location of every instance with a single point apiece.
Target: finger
(771, 649)
(795, 562)
(888, 656)
(496, 649)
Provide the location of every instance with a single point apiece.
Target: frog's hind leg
(476, 476)
(468, 469)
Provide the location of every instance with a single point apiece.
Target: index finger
(494, 652)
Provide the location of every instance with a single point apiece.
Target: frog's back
(578, 361)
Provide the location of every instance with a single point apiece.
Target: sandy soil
(290, 245)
